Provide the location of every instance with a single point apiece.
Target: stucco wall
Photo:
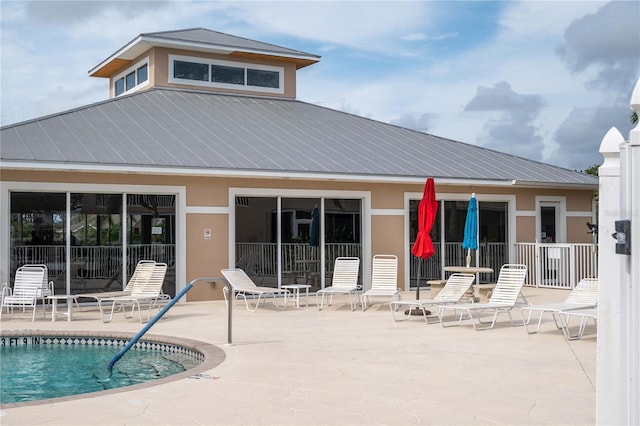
(211, 196)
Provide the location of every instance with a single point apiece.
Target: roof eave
(142, 43)
(277, 174)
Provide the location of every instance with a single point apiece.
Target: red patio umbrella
(427, 209)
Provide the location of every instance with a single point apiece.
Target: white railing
(90, 262)
(492, 255)
(261, 258)
(557, 265)
(548, 265)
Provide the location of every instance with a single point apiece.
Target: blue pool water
(35, 372)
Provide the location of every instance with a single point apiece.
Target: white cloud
(401, 62)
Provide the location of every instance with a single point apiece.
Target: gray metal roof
(215, 38)
(198, 132)
(204, 40)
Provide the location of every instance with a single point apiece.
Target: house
(203, 158)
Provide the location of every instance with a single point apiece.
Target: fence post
(618, 364)
(632, 181)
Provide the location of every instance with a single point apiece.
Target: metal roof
(180, 131)
(203, 40)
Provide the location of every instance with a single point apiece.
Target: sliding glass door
(448, 233)
(295, 240)
(85, 253)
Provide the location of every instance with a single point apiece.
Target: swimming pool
(39, 366)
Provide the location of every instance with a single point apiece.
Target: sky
(543, 80)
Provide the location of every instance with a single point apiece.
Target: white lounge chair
(584, 315)
(344, 281)
(244, 286)
(140, 276)
(583, 296)
(27, 289)
(504, 298)
(453, 291)
(384, 279)
(143, 293)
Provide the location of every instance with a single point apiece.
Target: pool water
(35, 372)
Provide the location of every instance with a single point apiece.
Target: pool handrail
(160, 314)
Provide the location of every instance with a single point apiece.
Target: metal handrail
(160, 314)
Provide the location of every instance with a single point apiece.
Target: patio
(304, 366)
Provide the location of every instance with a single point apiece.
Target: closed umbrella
(470, 241)
(427, 209)
(314, 234)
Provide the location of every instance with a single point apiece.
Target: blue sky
(544, 80)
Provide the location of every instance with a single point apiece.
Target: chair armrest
(6, 290)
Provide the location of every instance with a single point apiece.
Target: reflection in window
(119, 86)
(143, 72)
(131, 80)
(262, 78)
(229, 75)
(94, 259)
(190, 71)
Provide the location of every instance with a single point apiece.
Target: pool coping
(212, 354)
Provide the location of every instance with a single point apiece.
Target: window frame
(126, 72)
(233, 64)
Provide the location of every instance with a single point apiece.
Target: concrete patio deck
(338, 367)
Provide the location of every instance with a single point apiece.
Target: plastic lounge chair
(583, 296)
(453, 291)
(140, 276)
(344, 281)
(504, 298)
(243, 286)
(583, 314)
(143, 293)
(27, 289)
(384, 279)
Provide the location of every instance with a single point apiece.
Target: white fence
(90, 262)
(557, 265)
(549, 265)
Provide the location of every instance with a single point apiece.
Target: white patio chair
(27, 289)
(384, 279)
(584, 315)
(244, 286)
(505, 297)
(583, 296)
(453, 291)
(140, 276)
(344, 281)
(142, 294)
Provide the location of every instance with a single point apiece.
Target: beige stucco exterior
(384, 219)
(159, 67)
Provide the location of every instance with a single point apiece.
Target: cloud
(513, 131)
(614, 54)
(372, 26)
(603, 48)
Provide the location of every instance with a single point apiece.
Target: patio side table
(296, 293)
(70, 298)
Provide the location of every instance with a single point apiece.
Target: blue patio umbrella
(314, 234)
(470, 241)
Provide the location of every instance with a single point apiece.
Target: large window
(448, 233)
(225, 74)
(279, 239)
(190, 71)
(262, 78)
(87, 256)
(229, 75)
